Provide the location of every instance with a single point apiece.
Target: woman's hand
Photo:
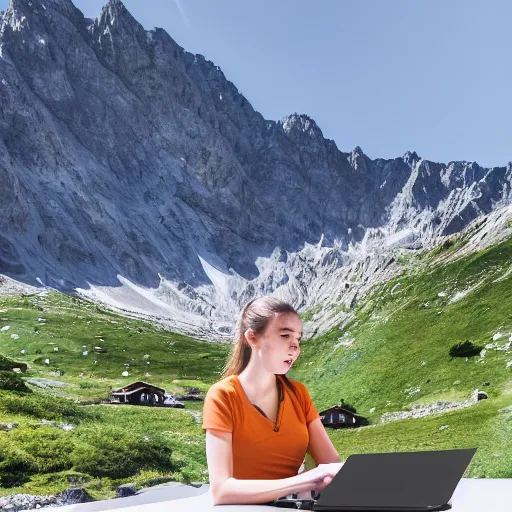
(320, 477)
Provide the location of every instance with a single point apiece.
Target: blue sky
(392, 75)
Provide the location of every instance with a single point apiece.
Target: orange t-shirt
(259, 452)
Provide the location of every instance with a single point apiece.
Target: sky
(390, 76)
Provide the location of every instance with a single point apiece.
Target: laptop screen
(397, 480)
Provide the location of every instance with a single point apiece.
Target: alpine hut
(138, 393)
(339, 417)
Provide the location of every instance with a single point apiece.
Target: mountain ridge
(125, 155)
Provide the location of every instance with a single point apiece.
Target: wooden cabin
(339, 417)
(138, 393)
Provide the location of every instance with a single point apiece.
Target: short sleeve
(310, 410)
(217, 413)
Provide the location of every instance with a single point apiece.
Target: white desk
(471, 495)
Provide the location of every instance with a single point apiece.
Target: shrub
(114, 453)
(12, 381)
(49, 447)
(44, 406)
(348, 407)
(465, 349)
(16, 466)
(7, 363)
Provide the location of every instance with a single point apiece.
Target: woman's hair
(256, 315)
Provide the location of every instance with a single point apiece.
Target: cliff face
(123, 154)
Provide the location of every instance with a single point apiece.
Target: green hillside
(396, 356)
(110, 444)
(400, 357)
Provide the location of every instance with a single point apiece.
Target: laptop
(401, 481)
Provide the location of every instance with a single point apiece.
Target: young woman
(259, 424)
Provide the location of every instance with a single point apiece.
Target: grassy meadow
(401, 335)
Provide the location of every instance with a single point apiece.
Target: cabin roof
(138, 385)
(337, 408)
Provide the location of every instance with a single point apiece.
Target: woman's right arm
(228, 490)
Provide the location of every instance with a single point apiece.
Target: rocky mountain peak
(301, 124)
(357, 152)
(115, 16)
(304, 133)
(358, 160)
(410, 158)
(62, 6)
(30, 15)
(114, 11)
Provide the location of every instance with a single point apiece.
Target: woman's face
(278, 347)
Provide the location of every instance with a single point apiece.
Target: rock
(125, 490)
(19, 502)
(420, 411)
(56, 424)
(75, 495)
(7, 427)
(44, 383)
(193, 398)
(479, 395)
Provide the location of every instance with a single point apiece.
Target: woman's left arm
(320, 445)
(320, 449)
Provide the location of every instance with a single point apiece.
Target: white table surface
(471, 495)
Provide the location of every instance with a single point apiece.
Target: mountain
(134, 173)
